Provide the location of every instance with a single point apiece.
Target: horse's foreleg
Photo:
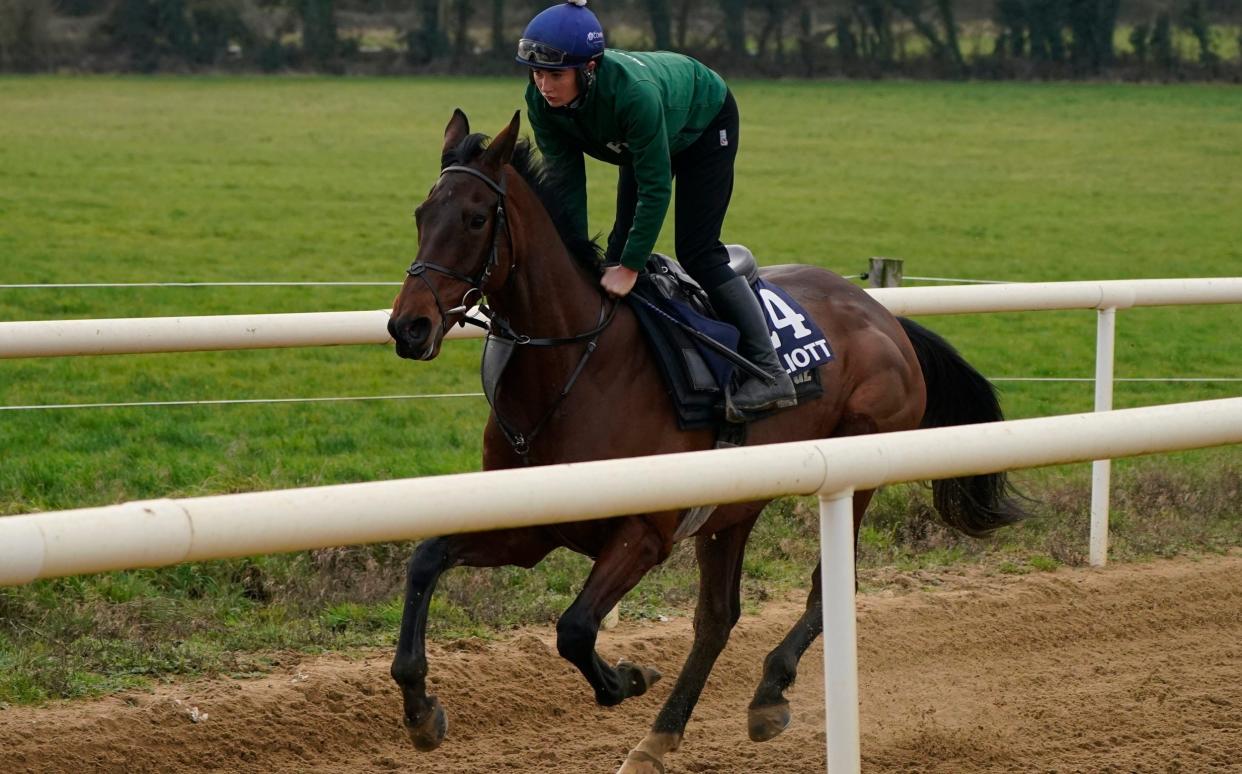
(424, 718)
(769, 710)
(633, 549)
(720, 606)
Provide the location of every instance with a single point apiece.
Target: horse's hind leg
(424, 718)
(769, 710)
(632, 550)
(720, 606)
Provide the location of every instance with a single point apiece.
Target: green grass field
(250, 179)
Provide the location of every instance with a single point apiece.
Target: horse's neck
(547, 294)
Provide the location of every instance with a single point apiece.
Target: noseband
(419, 268)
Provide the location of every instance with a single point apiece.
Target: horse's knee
(574, 637)
(713, 634)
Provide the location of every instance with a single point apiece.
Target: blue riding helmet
(563, 37)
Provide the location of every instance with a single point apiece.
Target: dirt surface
(1129, 669)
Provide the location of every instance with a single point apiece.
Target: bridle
(498, 328)
(501, 223)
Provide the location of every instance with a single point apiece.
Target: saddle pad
(693, 389)
(798, 341)
(695, 375)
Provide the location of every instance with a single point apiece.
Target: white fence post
(612, 619)
(1101, 470)
(836, 552)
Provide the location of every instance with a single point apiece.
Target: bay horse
(581, 385)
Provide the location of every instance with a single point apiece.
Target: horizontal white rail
(1042, 296)
(136, 335)
(161, 532)
(53, 338)
(259, 284)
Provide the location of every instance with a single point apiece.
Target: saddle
(696, 377)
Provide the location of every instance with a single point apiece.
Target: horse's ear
(500, 151)
(456, 131)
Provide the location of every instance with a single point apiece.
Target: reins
(521, 441)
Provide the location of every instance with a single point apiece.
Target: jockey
(656, 115)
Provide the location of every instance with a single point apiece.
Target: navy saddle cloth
(695, 376)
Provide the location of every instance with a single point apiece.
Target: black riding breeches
(703, 188)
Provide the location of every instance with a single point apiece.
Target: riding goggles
(535, 53)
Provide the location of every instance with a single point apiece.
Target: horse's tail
(957, 394)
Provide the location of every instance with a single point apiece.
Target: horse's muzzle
(412, 337)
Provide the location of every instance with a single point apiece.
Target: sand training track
(1132, 669)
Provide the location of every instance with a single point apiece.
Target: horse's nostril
(419, 330)
(410, 335)
(409, 331)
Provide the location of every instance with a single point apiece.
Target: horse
(580, 384)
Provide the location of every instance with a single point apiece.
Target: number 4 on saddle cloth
(696, 376)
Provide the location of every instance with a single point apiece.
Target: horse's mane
(547, 186)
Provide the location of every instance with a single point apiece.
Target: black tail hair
(957, 394)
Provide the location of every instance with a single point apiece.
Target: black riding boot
(735, 302)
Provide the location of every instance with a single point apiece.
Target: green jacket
(643, 109)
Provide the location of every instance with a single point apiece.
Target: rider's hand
(618, 280)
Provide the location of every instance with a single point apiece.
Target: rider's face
(558, 87)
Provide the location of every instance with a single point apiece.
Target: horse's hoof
(768, 722)
(638, 679)
(428, 733)
(639, 762)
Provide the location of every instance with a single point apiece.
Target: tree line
(808, 38)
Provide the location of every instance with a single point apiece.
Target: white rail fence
(55, 338)
(1106, 298)
(256, 331)
(162, 532)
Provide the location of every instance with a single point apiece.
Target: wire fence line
(262, 284)
(95, 285)
(256, 284)
(1116, 379)
(239, 401)
(443, 395)
(959, 281)
(308, 283)
(361, 284)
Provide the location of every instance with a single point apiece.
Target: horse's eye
(478, 221)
